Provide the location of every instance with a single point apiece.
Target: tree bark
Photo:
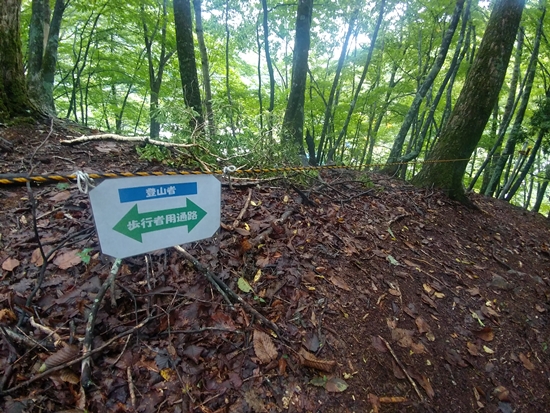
(462, 132)
(391, 165)
(364, 74)
(328, 108)
(506, 117)
(515, 133)
(293, 121)
(155, 79)
(269, 71)
(14, 99)
(43, 45)
(186, 58)
(205, 67)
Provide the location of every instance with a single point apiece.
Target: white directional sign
(137, 215)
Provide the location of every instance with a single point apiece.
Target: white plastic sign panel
(138, 215)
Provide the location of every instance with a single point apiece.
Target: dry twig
(402, 367)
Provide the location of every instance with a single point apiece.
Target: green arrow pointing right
(135, 224)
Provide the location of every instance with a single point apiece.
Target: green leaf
(243, 285)
(392, 260)
(336, 385)
(318, 381)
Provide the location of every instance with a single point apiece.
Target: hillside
(386, 298)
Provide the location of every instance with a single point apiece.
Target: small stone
(500, 282)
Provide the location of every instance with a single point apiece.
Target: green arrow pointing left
(134, 224)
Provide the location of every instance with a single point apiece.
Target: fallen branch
(120, 138)
(226, 291)
(86, 369)
(261, 238)
(402, 367)
(241, 214)
(77, 360)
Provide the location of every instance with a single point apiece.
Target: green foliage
(103, 76)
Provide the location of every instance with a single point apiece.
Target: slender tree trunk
(451, 73)
(43, 45)
(462, 132)
(186, 58)
(353, 102)
(329, 108)
(40, 16)
(507, 115)
(293, 121)
(516, 128)
(227, 83)
(541, 191)
(269, 70)
(155, 79)
(205, 66)
(14, 99)
(49, 63)
(391, 167)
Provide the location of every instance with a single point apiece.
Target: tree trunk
(227, 83)
(462, 132)
(506, 117)
(269, 71)
(155, 79)
(14, 99)
(293, 121)
(391, 166)
(186, 58)
(49, 62)
(40, 16)
(205, 66)
(541, 191)
(364, 74)
(328, 108)
(515, 133)
(43, 44)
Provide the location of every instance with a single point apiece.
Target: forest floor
(387, 298)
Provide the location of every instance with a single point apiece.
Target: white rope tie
(84, 182)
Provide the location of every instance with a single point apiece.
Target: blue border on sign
(144, 193)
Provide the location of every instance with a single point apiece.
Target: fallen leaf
(428, 301)
(193, 352)
(68, 259)
(340, 283)
(309, 360)
(402, 336)
(318, 381)
(397, 372)
(486, 334)
(62, 356)
(392, 260)
(10, 264)
(473, 291)
(263, 347)
(422, 325)
(540, 308)
(378, 344)
(528, 364)
(427, 386)
(418, 348)
(488, 350)
(7, 315)
(243, 285)
(336, 385)
(61, 196)
(502, 393)
(254, 401)
(472, 349)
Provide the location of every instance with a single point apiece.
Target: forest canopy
(262, 83)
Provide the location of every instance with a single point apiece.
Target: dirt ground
(385, 297)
